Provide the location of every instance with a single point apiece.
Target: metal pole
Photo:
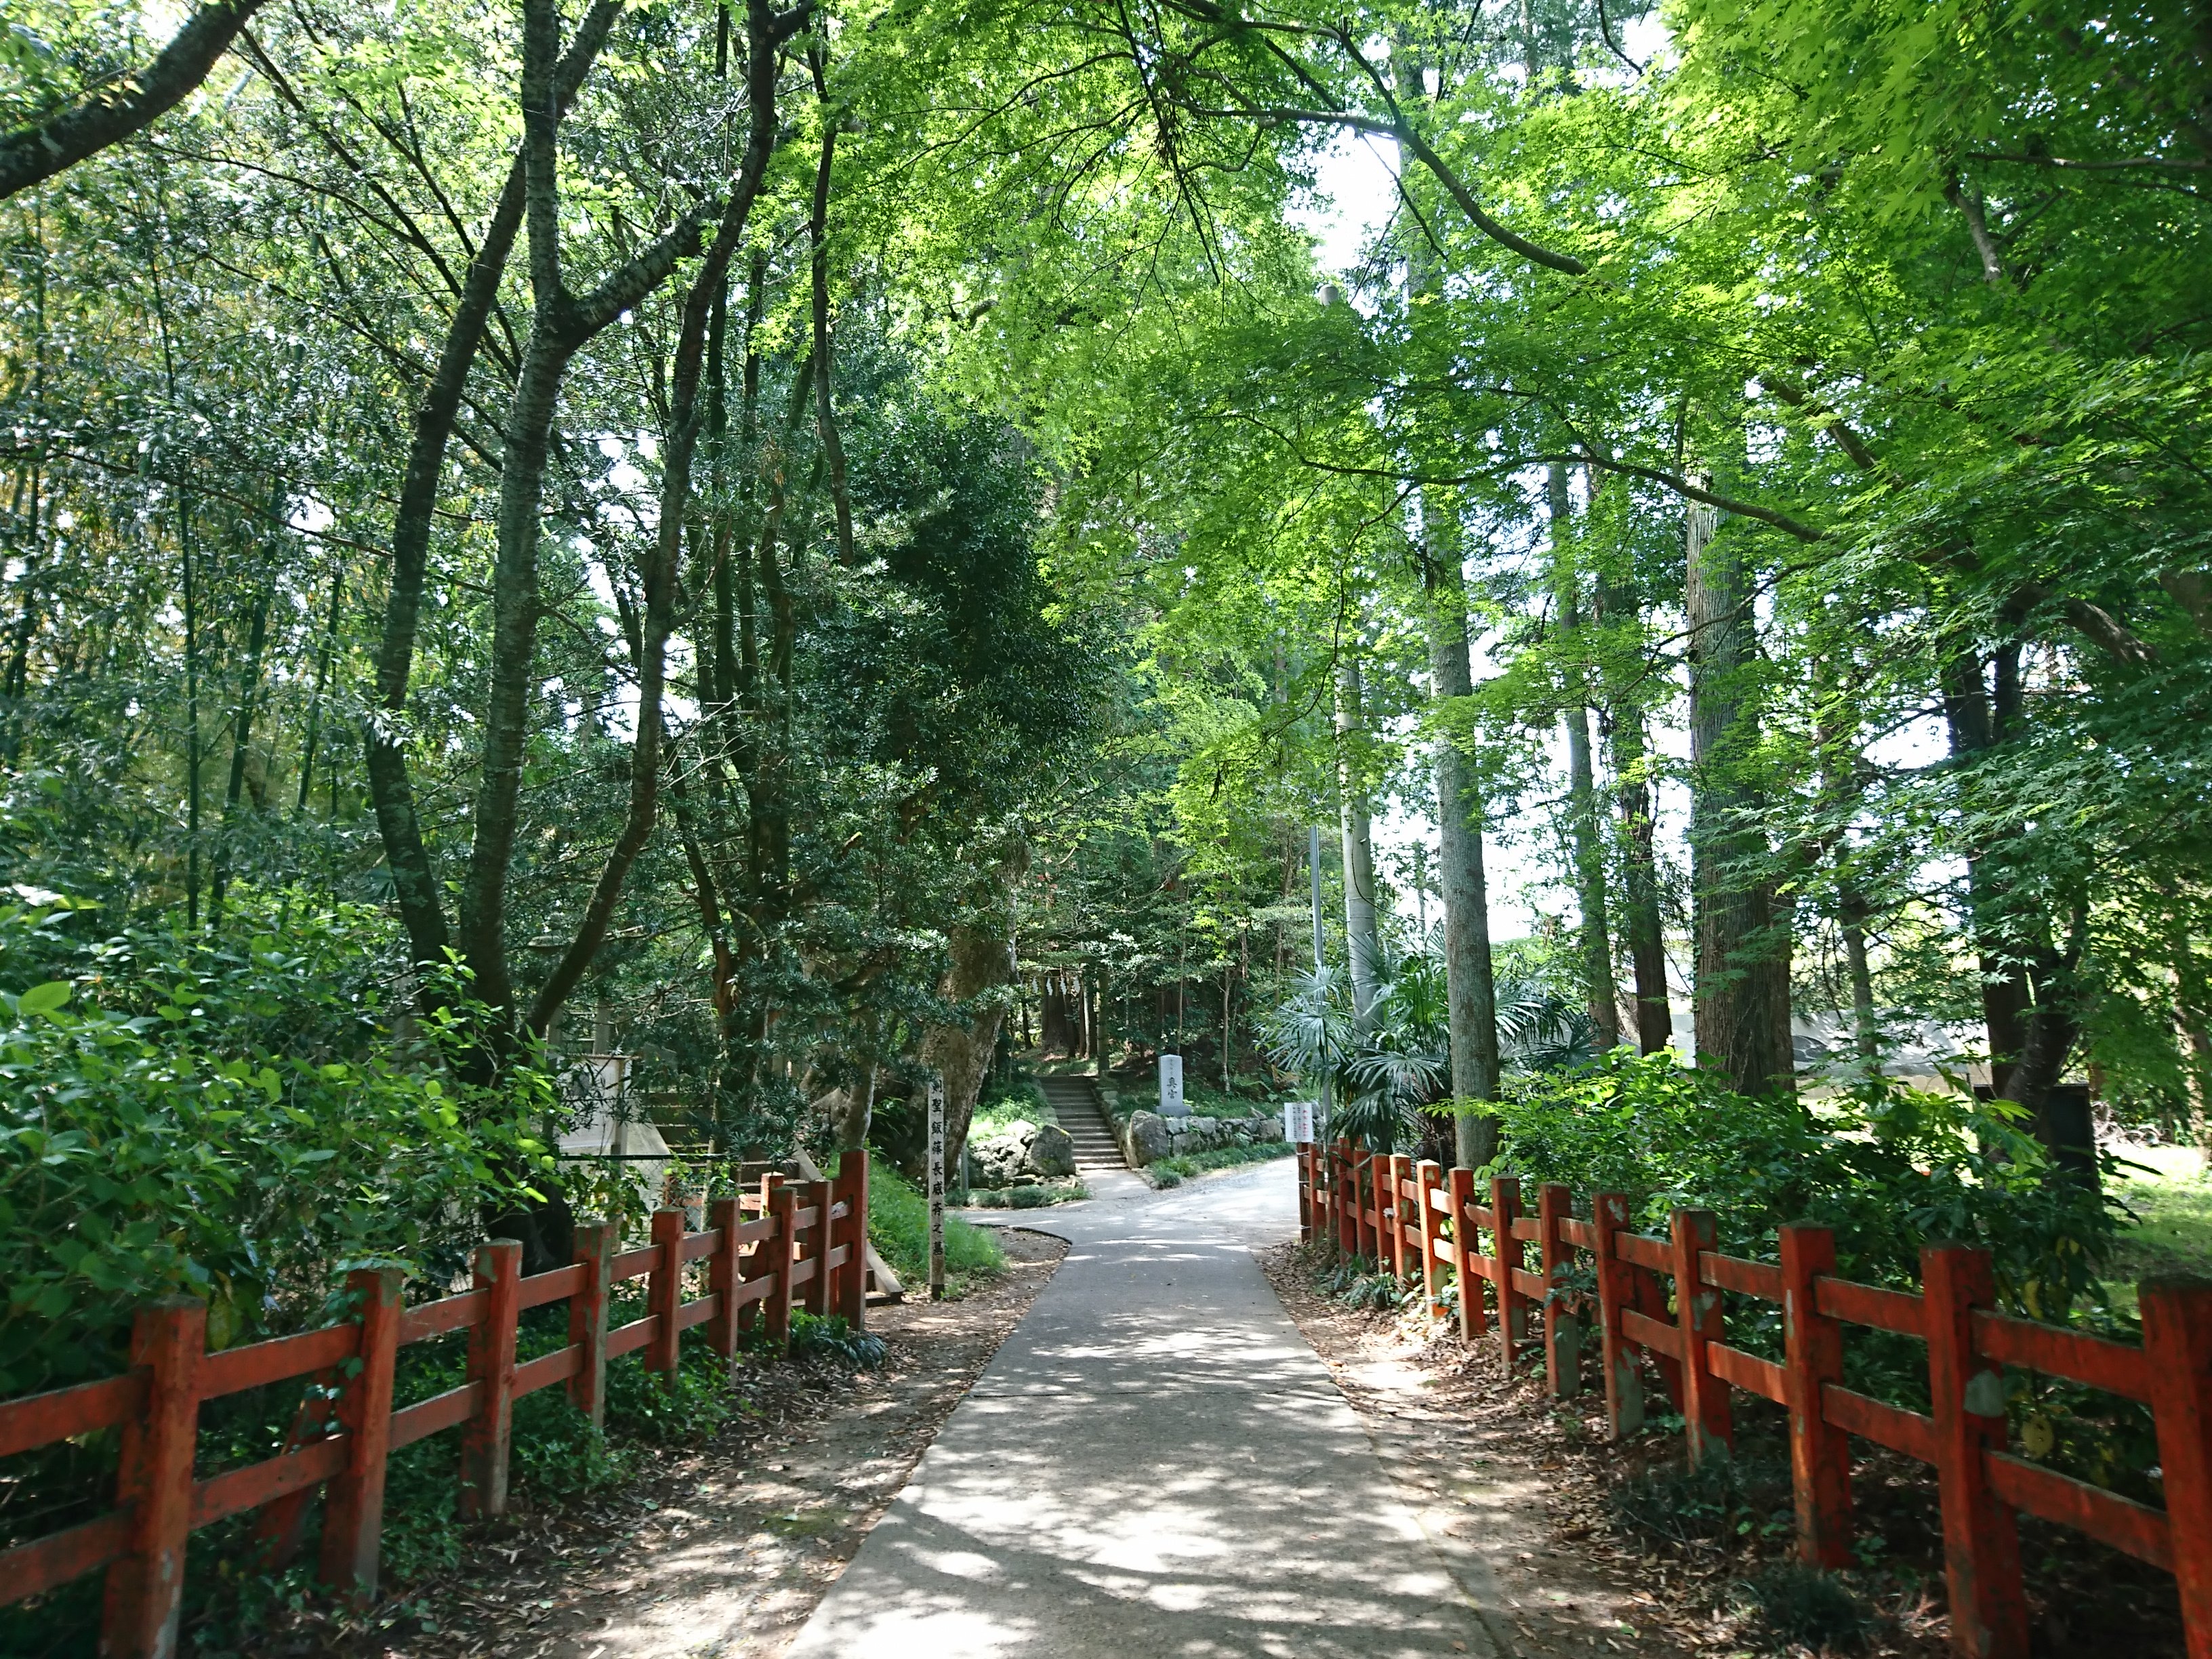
(937, 1189)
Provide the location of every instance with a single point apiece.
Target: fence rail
(806, 1249)
(1421, 1220)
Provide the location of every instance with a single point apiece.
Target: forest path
(1156, 1462)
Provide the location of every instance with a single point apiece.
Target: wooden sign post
(937, 1189)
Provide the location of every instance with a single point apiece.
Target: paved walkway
(1155, 1464)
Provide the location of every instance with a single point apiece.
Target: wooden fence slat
(1624, 1385)
(1819, 1452)
(1562, 1330)
(1642, 1250)
(1707, 1412)
(40, 1419)
(2075, 1355)
(1512, 1307)
(1397, 1170)
(628, 1339)
(1900, 1312)
(594, 1248)
(556, 1286)
(447, 1313)
(783, 1205)
(664, 1294)
(1732, 1272)
(2176, 1325)
(278, 1360)
(559, 1366)
(2136, 1528)
(852, 1172)
(144, 1594)
(1981, 1536)
(1428, 1175)
(818, 1248)
(440, 1411)
(32, 1568)
(722, 1272)
(353, 1507)
(1747, 1371)
(636, 1264)
(1471, 1321)
(491, 1365)
(236, 1491)
(1878, 1421)
(1659, 1336)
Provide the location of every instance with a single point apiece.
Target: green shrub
(1802, 1606)
(1889, 1168)
(225, 1116)
(1030, 1195)
(1359, 1282)
(898, 1226)
(832, 1338)
(1221, 1157)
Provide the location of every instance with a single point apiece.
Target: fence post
(853, 1175)
(1428, 1177)
(1616, 1290)
(1471, 1321)
(664, 1293)
(353, 1508)
(1813, 1350)
(587, 1318)
(1305, 1197)
(1981, 1535)
(818, 1288)
(2176, 1326)
(1707, 1418)
(1398, 1169)
(491, 1364)
(783, 1210)
(1512, 1306)
(724, 1216)
(153, 1486)
(1563, 1343)
(1347, 1200)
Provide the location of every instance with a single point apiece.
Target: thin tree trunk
(414, 879)
(1361, 946)
(817, 228)
(660, 575)
(249, 691)
(1742, 988)
(323, 659)
(1588, 849)
(562, 323)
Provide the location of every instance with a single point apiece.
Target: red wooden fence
(804, 1248)
(1421, 1219)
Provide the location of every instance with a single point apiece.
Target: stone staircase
(1075, 1103)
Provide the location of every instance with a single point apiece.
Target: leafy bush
(226, 1115)
(1359, 1282)
(898, 1226)
(1889, 1168)
(832, 1338)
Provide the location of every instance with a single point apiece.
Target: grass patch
(1174, 1171)
(1720, 1501)
(2170, 1199)
(1029, 1195)
(898, 1226)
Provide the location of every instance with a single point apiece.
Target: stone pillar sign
(1171, 1101)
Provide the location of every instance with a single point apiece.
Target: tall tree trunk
(1361, 944)
(817, 228)
(1588, 849)
(561, 324)
(961, 1052)
(249, 690)
(414, 880)
(1471, 991)
(1742, 988)
(2005, 993)
(686, 419)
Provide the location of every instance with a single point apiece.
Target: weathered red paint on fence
(1982, 1487)
(751, 1266)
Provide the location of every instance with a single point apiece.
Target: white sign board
(1171, 1101)
(1298, 1121)
(937, 1189)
